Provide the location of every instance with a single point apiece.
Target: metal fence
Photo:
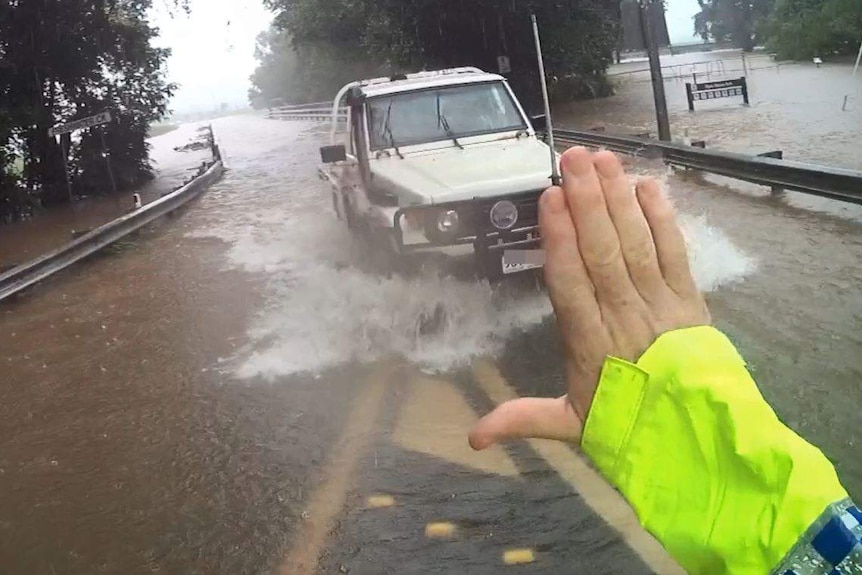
(314, 112)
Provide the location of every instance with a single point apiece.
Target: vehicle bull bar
(489, 244)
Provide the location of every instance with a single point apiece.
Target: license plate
(516, 261)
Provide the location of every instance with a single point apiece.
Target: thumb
(528, 417)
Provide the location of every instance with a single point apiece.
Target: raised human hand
(618, 277)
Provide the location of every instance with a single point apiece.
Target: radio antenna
(555, 168)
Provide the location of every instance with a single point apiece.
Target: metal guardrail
(828, 182)
(26, 275)
(327, 104)
(834, 183)
(316, 112)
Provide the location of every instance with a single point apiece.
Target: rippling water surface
(170, 407)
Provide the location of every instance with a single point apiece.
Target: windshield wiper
(387, 129)
(442, 122)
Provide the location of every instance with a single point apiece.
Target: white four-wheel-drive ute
(444, 161)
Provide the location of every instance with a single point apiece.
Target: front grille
(528, 211)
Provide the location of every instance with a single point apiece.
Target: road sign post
(82, 124)
(65, 153)
(107, 156)
(504, 64)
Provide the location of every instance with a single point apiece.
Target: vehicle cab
(443, 161)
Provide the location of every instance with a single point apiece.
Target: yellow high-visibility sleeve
(706, 464)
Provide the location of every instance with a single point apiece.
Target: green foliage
(742, 22)
(281, 79)
(66, 59)
(794, 29)
(803, 29)
(318, 45)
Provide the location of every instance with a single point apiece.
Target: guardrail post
(690, 96)
(777, 155)
(745, 90)
(696, 144)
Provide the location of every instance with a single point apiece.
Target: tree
(298, 73)
(579, 37)
(802, 29)
(67, 59)
(739, 21)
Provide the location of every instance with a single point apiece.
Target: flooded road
(795, 107)
(234, 393)
(54, 227)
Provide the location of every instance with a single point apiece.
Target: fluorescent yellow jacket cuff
(701, 457)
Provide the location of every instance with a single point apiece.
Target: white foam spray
(322, 310)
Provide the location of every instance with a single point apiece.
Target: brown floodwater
(54, 227)
(174, 406)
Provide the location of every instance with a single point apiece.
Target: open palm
(618, 277)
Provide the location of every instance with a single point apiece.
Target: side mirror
(332, 154)
(540, 122)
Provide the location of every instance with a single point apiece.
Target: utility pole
(647, 9)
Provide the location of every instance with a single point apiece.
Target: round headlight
(504, 215)
(447, 221)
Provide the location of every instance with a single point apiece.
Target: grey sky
(213, 51)
(679, 20)
(213, 48)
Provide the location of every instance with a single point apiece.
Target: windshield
(441, 114)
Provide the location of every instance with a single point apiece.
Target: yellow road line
(518, 556)
(327, 501)
(378, 501)
(575, 470)
(439, 530)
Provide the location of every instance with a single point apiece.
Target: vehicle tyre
(335, 205)
(350, 216)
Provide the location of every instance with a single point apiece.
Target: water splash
(713, 258)
(323, 308)
(320, 316)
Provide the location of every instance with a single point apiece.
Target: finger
(597, 238)
(669, 241)
(631, 226)
(528, 417)
(569, 287)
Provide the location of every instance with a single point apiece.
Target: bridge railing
(314, 112)
(828, 182)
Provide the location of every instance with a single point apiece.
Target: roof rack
(421, 75)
